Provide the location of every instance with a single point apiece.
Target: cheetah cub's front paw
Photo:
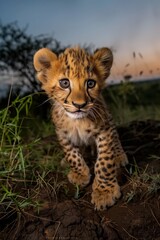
(81, 179)
(103, 198)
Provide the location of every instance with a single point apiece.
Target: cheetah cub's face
(75, 78)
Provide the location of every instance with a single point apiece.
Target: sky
(130, 28)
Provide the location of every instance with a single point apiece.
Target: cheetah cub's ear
(103, 59)
(42, 61)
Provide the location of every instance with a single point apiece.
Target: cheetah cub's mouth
(77, 114)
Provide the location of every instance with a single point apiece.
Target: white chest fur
(80, 131)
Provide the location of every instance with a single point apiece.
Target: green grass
(130, 101)
(142, 183)
(26, 157)
(125, 114)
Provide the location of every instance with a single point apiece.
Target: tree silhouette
(16, 53)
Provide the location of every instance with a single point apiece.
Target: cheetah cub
(74, 80)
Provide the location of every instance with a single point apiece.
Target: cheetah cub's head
(75, 78)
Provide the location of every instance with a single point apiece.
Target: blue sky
(125, 25)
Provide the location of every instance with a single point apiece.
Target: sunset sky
(131, 28)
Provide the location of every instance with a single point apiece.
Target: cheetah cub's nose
(79, 106)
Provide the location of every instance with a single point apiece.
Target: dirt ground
(65, 217)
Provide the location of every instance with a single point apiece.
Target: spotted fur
(74, 80)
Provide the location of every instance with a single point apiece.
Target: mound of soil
(75, 219)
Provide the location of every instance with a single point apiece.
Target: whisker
(96, 111)
(60, 109)
(61, 112)
(44, 102)
(91, 113)
(100, 108)
(98, 115)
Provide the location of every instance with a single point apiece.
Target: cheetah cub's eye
(64, 83)
(91, 83)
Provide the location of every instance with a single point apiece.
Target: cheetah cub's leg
(119, 154)
(79, 172)
(105, 186)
